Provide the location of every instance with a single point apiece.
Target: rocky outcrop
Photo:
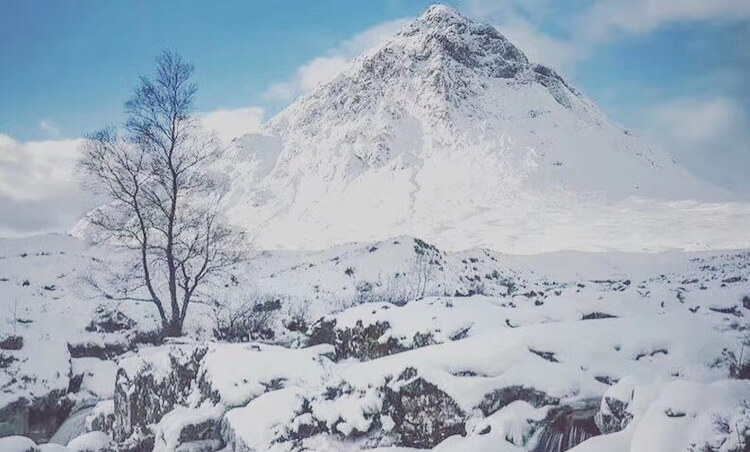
(153, 383)
(363, 342)
(100, 345)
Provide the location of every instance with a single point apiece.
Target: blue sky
(674, 71)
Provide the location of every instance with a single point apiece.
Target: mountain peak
(443, 33)
(441, 14)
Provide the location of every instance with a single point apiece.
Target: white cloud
(542, 48)
(710, 136)
(593, 23)
(39, 190)
(606, 18)
(35, 170)
(307, 77)
(518, 21)
(324, 68)
(48, 128)
(230, 124)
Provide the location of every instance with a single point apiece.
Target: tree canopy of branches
(163, 203)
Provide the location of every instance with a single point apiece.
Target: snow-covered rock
(152, 384)
(234, 374)
(91, 442)
(190, 429)
(18, 444)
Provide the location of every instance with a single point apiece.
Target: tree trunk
(173, 328)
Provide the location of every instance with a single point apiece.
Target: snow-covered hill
(448, 132)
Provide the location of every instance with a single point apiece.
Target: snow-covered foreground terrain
(392, 344)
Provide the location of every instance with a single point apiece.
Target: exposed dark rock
(606, 379)
(733, 310)
(597, 316)
(107, 319)
(615, 415)
(547, 356)
(107, 348)
(659, 351)
(361, 342)
(499, 398)
(6, 360)
(11, 342)
(423, 414)
(567, 426)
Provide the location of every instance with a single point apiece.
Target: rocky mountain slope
(448, 132)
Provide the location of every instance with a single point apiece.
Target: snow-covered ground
(469, 350)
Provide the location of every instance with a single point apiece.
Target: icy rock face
(151, 384)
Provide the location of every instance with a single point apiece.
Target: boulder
(361, 341)
(101, 418)
(91, 442)
(421, 413)
(194, 429)
(614, 410)
(153, 383)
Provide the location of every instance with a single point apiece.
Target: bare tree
(164, 203)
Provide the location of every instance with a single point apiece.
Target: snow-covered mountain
(447, 131)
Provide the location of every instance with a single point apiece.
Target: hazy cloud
(607, 18)
(709, 136)
(324, 68)
(39, 190)
(48, 128)
(230, 124)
